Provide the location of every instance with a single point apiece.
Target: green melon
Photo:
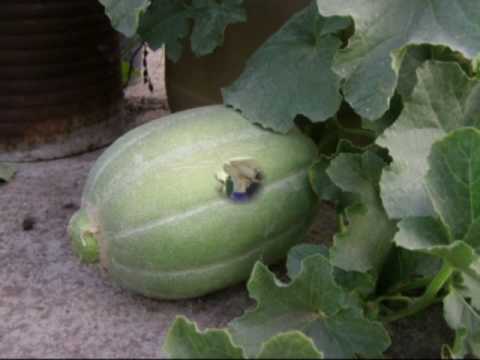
(159, 220)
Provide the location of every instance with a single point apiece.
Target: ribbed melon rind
(153, 197)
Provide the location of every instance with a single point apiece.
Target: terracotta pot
(60, 78)
(193, 81)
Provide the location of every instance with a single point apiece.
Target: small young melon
(186, 204)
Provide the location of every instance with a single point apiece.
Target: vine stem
(413, 285)
(428, 298)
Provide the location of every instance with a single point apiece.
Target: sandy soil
(52, 306)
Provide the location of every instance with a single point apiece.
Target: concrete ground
(53, 306)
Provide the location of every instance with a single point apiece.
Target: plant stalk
(428, 298)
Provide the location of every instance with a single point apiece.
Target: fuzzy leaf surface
(291, 74)
(371, 62)
(166, 23)
(430, 236)
(125, 15)
(290, 345)
(312, 303)
(453, 182)
(210, 21)
(453, 186)
(443, 100)
(363, 283)
(185, 341)
(360, 246)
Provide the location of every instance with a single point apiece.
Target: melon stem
(83, 237)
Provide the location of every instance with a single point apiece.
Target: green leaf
(291, 74)
(125, 15)
(407, 269)
(453, 182)
(290, 345)
(362, 283)
(444, 99)
(7, 172)
(211, 19)
(417, 55)
(421, 233)
(166, 23)
(298, 253)
(312, 303)
(371, 62)
(429, 235)
(463, 318)
(323, 185)
(185, 341)
(380, 125)
(361, 246)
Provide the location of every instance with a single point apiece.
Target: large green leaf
(463, 318)
(429, 235)
(370, 63)
(7, 172)
(361, 246)
(211, 19)
(453, 181)
(414, 56)
(166, 23)
(312, 303)
(453, 184)
(124, 15)
(323, 185)
(185, 341)
(299, 253)
(362, 283)
(291, 74)
(290, 345)
(444, 99)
